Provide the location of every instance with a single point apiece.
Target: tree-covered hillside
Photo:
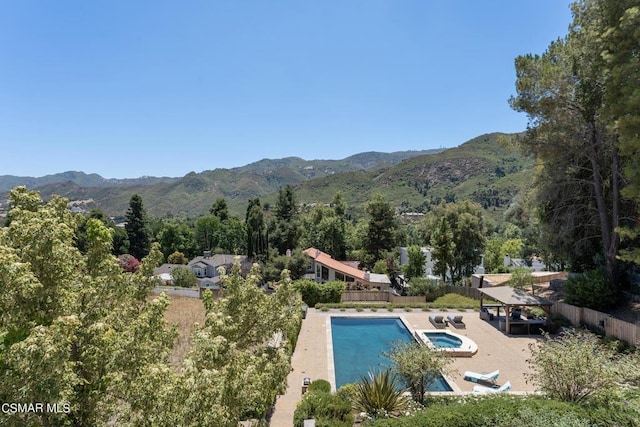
(193, 194)
(483, 170)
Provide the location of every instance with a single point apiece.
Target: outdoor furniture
(481, 389)
(475, 377)
(514, 302)
(437, 321)
(456, 321)
(485, 314)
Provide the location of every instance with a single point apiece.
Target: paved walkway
(496, 350)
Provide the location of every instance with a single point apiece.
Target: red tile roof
(325, 259)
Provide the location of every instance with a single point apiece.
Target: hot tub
(449, 342)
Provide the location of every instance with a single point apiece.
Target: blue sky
(132, 88)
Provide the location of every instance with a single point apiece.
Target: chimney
(207, 254)
(317, 253)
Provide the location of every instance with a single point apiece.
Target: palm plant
(379, 395)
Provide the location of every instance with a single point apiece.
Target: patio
(496, 350)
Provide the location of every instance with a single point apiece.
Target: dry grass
(184, 312)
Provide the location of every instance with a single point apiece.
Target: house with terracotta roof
(323, 268)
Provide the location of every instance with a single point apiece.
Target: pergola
(509, 298)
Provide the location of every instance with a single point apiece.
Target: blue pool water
(443, 340)
(359, 344)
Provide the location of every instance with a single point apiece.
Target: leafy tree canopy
(456, 231)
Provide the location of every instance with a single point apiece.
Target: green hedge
(329, 410)
(506, 410)
(591, 290)
(323, 386)
(446, 302)
(314, 293)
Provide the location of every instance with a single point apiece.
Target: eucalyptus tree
(416, 262)
(577, 103)
(456, 232)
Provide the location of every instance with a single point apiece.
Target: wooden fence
(406, 300)
(611, 326)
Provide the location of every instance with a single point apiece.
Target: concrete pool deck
(312, 358)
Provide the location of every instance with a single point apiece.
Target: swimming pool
(441, 340)
(358, 345)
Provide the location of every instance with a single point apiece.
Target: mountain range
(483, 169)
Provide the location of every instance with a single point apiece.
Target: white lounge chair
(481, 389)
(475, 377)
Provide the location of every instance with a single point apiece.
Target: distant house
(323, 268)
(163, 273)
(206, 267)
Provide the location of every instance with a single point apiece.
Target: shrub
(560, 321)
(419, 286)
(128, 263)
(329, 410)
(379, 395)
(323, 386)
(177, 258)
(332, 291)
(183, 277)
(314, 293)
(347, 391)
(576, 367)
(418, 366)
(521, 278)
(591, 290)
(455, 301)
(380, 267)
(505, 410)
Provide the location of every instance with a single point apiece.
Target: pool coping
(467, 348)
(330, 362)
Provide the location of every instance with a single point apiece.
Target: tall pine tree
(381, 232)
(284, 231)
(256, 230)
(136, 227)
